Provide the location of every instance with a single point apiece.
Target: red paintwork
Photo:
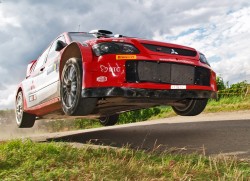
(93, 70)
(115, 73)
(45, 108)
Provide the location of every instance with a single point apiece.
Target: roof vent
(101, 33)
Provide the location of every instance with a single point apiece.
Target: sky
(219, 29)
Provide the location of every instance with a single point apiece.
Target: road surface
(211, 134)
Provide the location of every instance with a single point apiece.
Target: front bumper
(147, 93)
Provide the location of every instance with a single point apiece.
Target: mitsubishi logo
(174, 52)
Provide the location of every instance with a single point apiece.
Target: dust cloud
(9, 129)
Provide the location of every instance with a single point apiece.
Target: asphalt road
(210, 134)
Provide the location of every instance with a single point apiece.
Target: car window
(81, 37)
(33, 67)
(52, 53)
(41, 60)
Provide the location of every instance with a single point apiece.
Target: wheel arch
(20, 89)
(72, 50)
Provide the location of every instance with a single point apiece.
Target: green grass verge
(26, 160)
(229, 104)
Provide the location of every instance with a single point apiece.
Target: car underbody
(115, 100)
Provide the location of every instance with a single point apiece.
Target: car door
(52, 83)
(34, 84)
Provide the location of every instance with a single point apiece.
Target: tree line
(237, 89)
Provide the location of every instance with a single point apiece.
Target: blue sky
(219, 29)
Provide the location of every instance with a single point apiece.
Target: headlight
(203, 59)
(114, 48)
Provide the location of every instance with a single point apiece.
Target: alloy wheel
(69, 86)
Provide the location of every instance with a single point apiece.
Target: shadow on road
(213, 137)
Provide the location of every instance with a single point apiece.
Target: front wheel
(191, 107)
(23, 119)
(71, 87)
(109, 120)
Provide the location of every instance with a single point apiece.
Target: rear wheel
(109, 120)
(71, 87)
(191, 107)
(23, 119)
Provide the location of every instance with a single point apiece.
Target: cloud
(224, 39)
(7, 97)
(8, 21)
(220, 29)
(2, 87)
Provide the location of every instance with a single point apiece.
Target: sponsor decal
(32, 97)
(101, 79)
(178, 87)
(128, 57)
(111, 69)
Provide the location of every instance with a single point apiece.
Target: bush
(238, 89)
(86, 123)
(138, 115)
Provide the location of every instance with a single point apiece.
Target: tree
(220, 83)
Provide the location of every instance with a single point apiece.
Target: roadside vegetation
(26, 160)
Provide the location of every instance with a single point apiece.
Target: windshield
(81, 37)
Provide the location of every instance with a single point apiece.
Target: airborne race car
(99, 74)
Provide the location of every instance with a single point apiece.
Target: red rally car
(101, 74)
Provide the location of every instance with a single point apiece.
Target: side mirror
(60, 45)
(30, 67)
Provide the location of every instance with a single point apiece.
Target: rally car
(98, 73)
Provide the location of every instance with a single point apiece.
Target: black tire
(109, 120)
(23, 119)
(192, 107)
(70, 90)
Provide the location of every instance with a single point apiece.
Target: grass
(26, 160)
(229, 104)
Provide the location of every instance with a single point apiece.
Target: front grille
(165, 72)
(171, 50)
